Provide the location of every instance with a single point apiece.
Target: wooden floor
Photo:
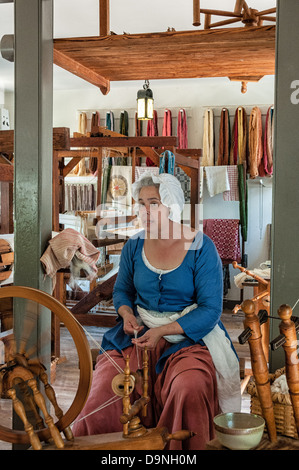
(67, 372)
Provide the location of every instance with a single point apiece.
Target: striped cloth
(62, 249)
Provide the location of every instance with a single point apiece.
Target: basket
(283, 409)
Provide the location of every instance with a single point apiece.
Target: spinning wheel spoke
(23, 375)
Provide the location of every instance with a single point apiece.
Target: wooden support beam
(81, 71)
(61, 139)
(7, 141)
(103, 291)
(123, 141)
(6, 172)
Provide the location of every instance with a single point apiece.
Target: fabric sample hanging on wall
(79, 197)
(167, 123)
(238, 153)
(208, 139)
(217, 179)
(185, 181)
(233, 178)
(182, 130)
(225, 235)
(140, 170)
(268, 141)
(224, 138)
(119, 192)
(255, 143)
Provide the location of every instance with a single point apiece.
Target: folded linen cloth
(66, 246)
(217, 179)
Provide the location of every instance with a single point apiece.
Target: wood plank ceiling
(246, 53)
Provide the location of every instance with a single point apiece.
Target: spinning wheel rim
(84, 356)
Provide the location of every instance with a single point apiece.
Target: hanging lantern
(145, 103)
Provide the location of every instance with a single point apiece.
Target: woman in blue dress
(168, 295)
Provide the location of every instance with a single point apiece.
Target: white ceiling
(78, 18)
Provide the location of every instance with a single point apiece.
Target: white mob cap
(170, 191)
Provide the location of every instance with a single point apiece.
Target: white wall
(193, 95)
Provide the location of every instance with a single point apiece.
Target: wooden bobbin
(117, 384)
(259, 367)
(288, 329)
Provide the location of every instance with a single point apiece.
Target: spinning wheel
(21, 369)
(242, 13)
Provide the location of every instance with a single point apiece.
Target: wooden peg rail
(259, 366)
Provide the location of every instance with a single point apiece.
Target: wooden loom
(23, 369)
(152, 147)
(81, 146)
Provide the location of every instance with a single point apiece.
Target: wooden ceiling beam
(80, 70)
(225, 52)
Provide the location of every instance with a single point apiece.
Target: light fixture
(145, 103)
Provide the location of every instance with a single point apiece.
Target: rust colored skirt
(183, 395)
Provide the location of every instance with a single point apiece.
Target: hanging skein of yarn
(255, 144)
(238, 153)
(208, 139)
(169, 158)
(80, 168)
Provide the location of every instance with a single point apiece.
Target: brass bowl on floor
(239, 431)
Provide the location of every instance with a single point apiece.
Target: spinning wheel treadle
(22, 371)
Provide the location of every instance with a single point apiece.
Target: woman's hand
(129, 319)
(153, 335)
(149, 339)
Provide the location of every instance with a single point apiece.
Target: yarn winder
(20, 375)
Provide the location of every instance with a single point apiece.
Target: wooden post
(104, 17)
(285, 220)
(288, 329)
(259, 367)
(196, 13)
(33, 149)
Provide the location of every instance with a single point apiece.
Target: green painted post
(285, 227)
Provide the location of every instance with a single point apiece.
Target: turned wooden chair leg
(20, 410)
(39, 400)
